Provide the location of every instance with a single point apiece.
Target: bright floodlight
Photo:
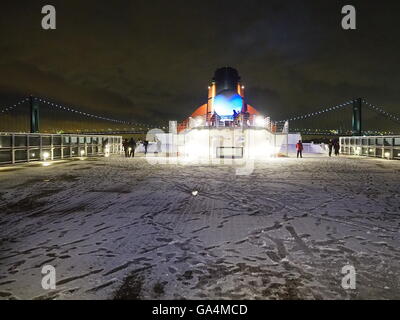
(107, 151)
(46, 156)
(260, 121)
(82, 153)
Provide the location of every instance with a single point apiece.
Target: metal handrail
(52, 149)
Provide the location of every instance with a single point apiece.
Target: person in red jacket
(299, 148)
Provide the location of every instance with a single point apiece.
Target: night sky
(153, 60)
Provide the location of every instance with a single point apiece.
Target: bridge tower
(34, 107)
(356, 121)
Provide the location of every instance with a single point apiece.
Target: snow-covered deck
(124, 228)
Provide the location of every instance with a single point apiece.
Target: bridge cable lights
(382, 111)
(70, 109)
(75, 111)
(83, 113)
(11, 107)
(313, 114)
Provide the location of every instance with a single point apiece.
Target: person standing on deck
(299, 148)
(145, 144)
(132, 146)
(125, 145)
(336, 146)
(330, 147)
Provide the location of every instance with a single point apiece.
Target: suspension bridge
(359, 109)
(41, 115)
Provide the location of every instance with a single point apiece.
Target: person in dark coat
(336, 146)
(125, 145)
(330, 147)
(299, 148)
(145, 144)
(132, 146)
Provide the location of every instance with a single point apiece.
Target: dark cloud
(152, 60)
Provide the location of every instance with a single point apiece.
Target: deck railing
(386, 147)
(27, 147)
